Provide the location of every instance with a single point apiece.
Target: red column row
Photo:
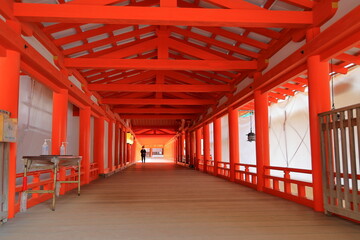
(9, 85)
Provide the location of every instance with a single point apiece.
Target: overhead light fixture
(251, 135)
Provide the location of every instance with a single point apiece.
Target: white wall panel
(247, 149)
(72, 147)
(225, 139)
(35, 118)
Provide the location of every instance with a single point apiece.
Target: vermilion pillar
(262, 136)
(122, 147)
(182, 146)
(206, 132)
(110, 145)
(217, 144)
(188, 146)
(192, 149)
(9, 99)
(233, 141)
(59, 128)
(198, 135)
(84, 142)
(99, 143)
(133, 148)
(319, 101)
(125, 148)
(128, 153)
(59, 120)
(117, 145)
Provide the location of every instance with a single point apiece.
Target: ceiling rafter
(159, 116)
(114, 72)
(163, 101)
(196, 50)
(160, 64)
(87, 34)
(213, 42)
(32, 12)
(239, 4)
(236, 37)
(107, 41)
(158, 88)
(127, 49)
(154, 110)
(133, 78)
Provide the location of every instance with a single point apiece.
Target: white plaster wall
(72, 147)
(247, 149)
(35, 119)
(289, 138)
(211, 129)
(347, 88)
(225, 139)
(345, 6)
(289, 135)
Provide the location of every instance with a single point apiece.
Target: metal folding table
(52, 162)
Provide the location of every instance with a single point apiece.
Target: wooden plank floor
(163, 201)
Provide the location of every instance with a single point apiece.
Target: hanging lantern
(251, 135)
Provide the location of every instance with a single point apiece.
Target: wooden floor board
(164, 201)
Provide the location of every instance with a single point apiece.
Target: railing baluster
(36, 179)
(339, 193)
(287, 185)
(344, 160)
(354, 184)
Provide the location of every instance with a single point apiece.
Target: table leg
(54, 189)
(79, 176)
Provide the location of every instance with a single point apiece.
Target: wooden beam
(336, 39)
(6, 9)
(163, 127)
(307, 4)
(158, 101)
(32, 12)
(214, 42)
(159, 116)
(237, 4)
(161, 64)
(349, 58)
(87, 34)
(106, 41)
(158, 88)
(158, 110)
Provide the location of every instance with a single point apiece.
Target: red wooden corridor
(261, 93)
(167, 201)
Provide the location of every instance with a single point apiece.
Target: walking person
(143, 154)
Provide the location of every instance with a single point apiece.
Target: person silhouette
(143, 154)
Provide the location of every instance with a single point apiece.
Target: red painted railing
(223, 170)
(210, 166)
(246, 174)
(201, 164)
(44, 180)
(288, 188)
(281, 186)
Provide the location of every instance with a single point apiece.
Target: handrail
(245, 165)
(339, 110)
(298, 170)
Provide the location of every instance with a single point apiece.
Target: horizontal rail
(282, 186)
(42, 181)
(298, 170)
